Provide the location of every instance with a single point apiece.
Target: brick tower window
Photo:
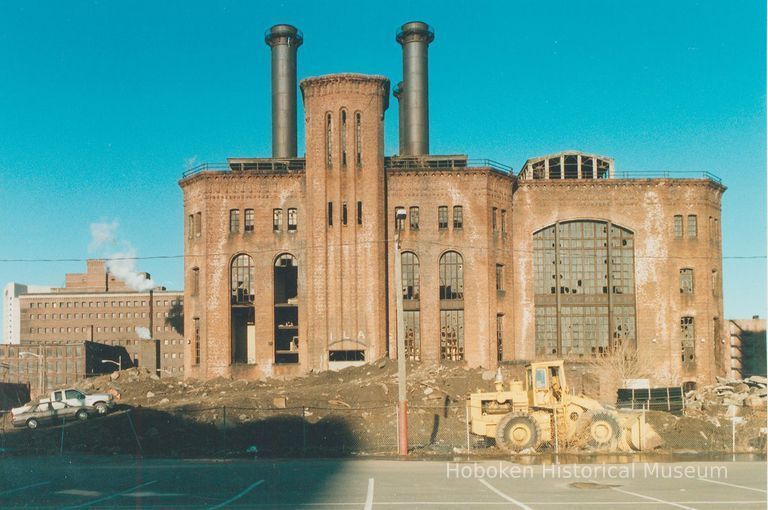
(343, 138)
(358, 139)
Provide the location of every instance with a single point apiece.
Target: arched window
(410, 276)
(411, 315)
(451, 306)
(328, 140)
(243, 339)
(584, 287)
(286, 339)
(343, 138)
(358, 139)
(451, 276)
(242, 280)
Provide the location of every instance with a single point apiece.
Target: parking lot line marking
(651, 498)
(111, 496)
(19, 489)
(237, 496)
(732, 485)
(369, 496)
(508, 498)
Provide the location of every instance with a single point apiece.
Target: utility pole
(402, 398)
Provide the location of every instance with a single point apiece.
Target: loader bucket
(640, 435)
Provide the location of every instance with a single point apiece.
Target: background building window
(686, 281)
(499, 277)
(344, 213)
(359, 213)
(330, 214)
(198, 224)
(277, 220)
(234, 221)
(692, 226)
(292, 219)
(248, 220)
(413, 215)
(191, 226)
(678, 226)
(442, 217)
(494, 225)
(458, 217)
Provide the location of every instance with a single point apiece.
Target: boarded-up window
(692, 226)
(678, 226)
(686, 281)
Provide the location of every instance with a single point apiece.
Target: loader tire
(604, 431)
(516, 432)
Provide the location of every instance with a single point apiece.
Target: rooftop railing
(450, 162)
(668, 174)
(267, 165)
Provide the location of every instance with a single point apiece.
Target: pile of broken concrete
(751, 392)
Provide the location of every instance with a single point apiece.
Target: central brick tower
(346, 275)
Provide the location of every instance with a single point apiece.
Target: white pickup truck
(102, 402)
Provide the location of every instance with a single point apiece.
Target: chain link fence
(439, 428)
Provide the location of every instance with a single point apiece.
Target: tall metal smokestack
(415, 37)
(284, 41)
(398, 93)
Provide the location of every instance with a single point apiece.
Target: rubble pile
(716, 398)
(353, 410)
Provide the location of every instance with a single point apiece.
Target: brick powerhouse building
(290, 260)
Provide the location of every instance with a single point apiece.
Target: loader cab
(545, 383)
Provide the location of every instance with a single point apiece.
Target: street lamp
(402, 399)
(41, 369)
(118, 363)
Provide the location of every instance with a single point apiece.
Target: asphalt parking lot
(99, 482)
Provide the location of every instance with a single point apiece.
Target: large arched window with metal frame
(286, 287)
(411, 305)
(451, 306)
(243, 343)
(584, 288)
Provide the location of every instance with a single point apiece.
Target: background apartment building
(97, 307)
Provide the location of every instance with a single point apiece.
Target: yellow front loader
(527, 414)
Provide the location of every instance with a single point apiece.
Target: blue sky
(102, 104)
